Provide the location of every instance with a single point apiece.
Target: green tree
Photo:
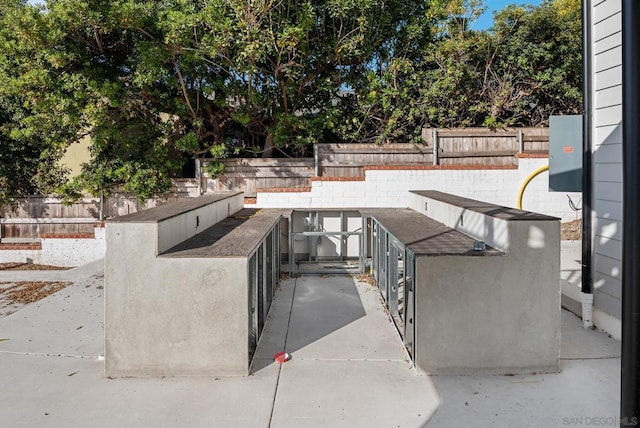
(272, 71)
(426, 84)
(154, 82)
(33, 121)
(525, 68)
(537, 68)
(66, 72)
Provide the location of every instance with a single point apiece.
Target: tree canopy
(156, 82)
(526, 67)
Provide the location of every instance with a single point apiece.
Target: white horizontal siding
(611, 287)
(607, 191)
(607, 135)
(607, 116)
(608, 59)
(608, 247)
(610, 24)
(604, 302)
(607, 153)
(608, 172)
(604, 9)
(609, 229)
(609, 97)
(608, 43)
(607, 209)
(609, 77)
(608, 266)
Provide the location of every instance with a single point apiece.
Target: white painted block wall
(68, 252)
(390, 188)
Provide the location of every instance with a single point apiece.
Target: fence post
(520, 141)
(436, 146)
(315, 160)
(199, 175)
(101, 207)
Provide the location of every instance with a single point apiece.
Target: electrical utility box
(565, 153)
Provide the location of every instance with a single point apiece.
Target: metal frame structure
(264, 274)
(630, 367)
(393, 266)
(314, 234)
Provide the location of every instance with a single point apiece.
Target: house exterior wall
(76, 155)
(606, 96)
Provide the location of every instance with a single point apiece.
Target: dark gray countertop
(425, 236)
(497, 211)
(167, 211)
(235, 236)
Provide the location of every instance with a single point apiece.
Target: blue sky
(486, 19)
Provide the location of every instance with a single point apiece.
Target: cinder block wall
(69, 251)
(386, 188)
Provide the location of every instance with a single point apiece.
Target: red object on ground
(281, 357)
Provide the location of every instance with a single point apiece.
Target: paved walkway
(349, 368)
(585, 393)
(571, 275)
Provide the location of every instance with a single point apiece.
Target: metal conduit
(630, 373)
(587, 279)
(526, 182)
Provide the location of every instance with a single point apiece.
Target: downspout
(587, 279)
(630, 370)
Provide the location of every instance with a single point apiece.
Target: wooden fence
(466, 146)
(29, 218)
(349, 160)
(248, 175)
(481, 146)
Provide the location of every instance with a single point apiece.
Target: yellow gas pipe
(527, 181)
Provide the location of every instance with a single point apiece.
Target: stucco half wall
(490, 314)
(173, 316)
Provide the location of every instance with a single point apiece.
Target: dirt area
(29, 266)
(572, 230)
(18, 294)
(366, 278)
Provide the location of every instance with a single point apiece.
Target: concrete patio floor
(348, 368)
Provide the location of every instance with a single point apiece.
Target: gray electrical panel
(565, 153)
